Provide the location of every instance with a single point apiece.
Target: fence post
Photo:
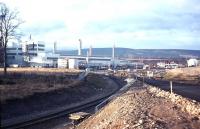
(171, 87)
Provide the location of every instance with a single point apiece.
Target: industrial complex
(32, 53)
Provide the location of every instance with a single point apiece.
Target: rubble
(188, 105)
(145, 107)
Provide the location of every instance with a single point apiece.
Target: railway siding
(60, 99)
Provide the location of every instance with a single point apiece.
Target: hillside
(136, 53)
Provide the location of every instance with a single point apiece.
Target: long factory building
(32, 53)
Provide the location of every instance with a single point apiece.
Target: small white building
(149, 74)
(192, 62)
(41, 61)
(171, 65)
(146, 67)
(53, 57)
(62, 63)
(73, 63)
(161, 64)
(99, 62)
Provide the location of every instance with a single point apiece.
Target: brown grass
(22, 82)
(186, 75)
(40, 70)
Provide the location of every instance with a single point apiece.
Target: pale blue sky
(166, 24)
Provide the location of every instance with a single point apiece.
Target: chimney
(30, 38)
(54, 47)
(90, 51)
(80, 47)
(87, 58)
(113, 52)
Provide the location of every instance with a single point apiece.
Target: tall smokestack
(30, 37)
(90, 51)
(80, 47)
(87, 58)
(54, 47)
(113, 52)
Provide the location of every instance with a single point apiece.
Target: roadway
(185, 90)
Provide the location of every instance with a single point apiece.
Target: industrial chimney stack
(90, 51)
(54, 47)
(80, 47)
(113, 52)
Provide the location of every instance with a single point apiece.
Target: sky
(138, 24)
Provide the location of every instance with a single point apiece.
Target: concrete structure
(31, 53)
(32, 48)
(99, 63)
(73, 63)
(80, 47)
(63, 63)
(102, 63)
(87, 58)
(171, 65)
(146, 67)
(90, 51)
(149, 74)
(161, 64)
(192, 62)
(54, 47)
(113, 61)
(44, 60)
(41, 61)
(113, 52)
(15, 55)
(54, 58)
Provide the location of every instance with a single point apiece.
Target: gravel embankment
(146, 107)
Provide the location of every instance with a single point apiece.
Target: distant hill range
(137, 53)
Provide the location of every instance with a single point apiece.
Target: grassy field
(22, 82)
(189, 75)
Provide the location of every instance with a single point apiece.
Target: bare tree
(9, 23)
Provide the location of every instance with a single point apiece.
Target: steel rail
(30, 122)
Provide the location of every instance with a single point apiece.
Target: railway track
(30, 122)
